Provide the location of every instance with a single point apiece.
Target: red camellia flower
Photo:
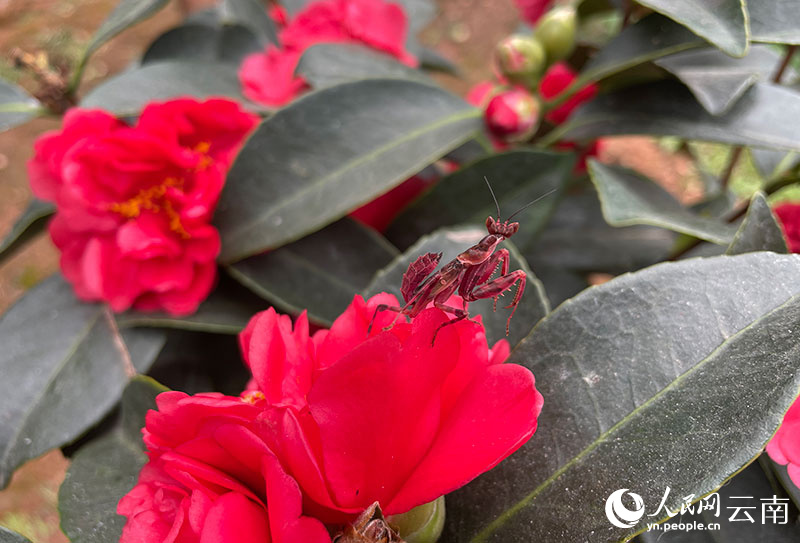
(134, 204)
(532, 10)
(210, 479)
(557, 78)
(268, 77)
(784, 448)
(356, 417)
(789, 215)
(512, 115)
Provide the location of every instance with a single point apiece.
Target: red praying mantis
(469, 274)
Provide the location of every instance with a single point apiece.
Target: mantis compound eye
(490, 224)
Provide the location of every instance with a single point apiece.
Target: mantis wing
(417, 271)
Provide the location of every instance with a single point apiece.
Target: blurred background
(465, 31)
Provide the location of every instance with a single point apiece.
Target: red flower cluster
(134, 203)
(512, 114)
(784, 448)
(789, 215)
(343, 418)
(268, 77)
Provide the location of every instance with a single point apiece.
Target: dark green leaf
(251, 14)
(32, 221)
(129, 92)
(629, 198)
(321, 272)
(770, 163)
(227, 310)
(671, 376)
(775, 21)
(329, 64)
(64, 365)
(16, 106)
(517, 177)
(722, 22)
(560, 284)
(746, 489)
(759, 231)
(578, 238)
(105, 470)
(195, 362)
(126, 14)
(224, 43)
(766, 116)
(294, 176)
(716, 79)
(653, 37)
(450, 242)
(782, 474)
(7, 536)
(429, 59)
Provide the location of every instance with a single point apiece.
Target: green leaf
(776, 21)
(450, 242)
(766, 116)
(29, 224)
(16, 106)
(636, 45)
(294, 176)
(195, 362)
(578, 238)
(670, 376)
(251, 14)
(227, 310)
(128, 92)
(105, 470)
(771, 164)
(8, 536)
(329, 64)
(629, 198)
(64, 365)
(722, 22)
(517, 177)
(759, 231)
(223, 43)
(126, 14)
(751, 488)
(321, 272)
(716, 79)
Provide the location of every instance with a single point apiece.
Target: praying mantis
(469, 274)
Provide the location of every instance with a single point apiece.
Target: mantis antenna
(493, 197)
(529, 204)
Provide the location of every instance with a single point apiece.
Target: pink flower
(557, 78)
(512, 115)
(784, 448)
(357, 418)
(268, 77)
(789, 215)
(532, 10)
(134, 204)
(211, 479)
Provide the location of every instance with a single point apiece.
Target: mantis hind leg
(384, 307)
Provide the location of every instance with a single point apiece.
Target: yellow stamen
(152, 199)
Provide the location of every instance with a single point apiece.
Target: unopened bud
(513, 115)
(423, 524)
(556, 32)
(520, 59)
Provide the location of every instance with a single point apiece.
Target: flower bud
(423, 524)
(520, 59)
(556, 32)
(513, 115)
